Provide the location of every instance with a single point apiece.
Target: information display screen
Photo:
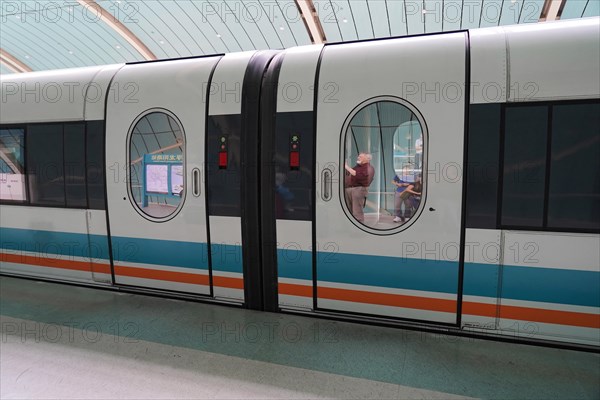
(12, 187)
(157, 178)
(177, 179)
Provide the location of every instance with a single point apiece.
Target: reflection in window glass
(574, 195)
(45, 165)
(383, 165)
(526, 131)
(74, 151)
(156, 150)
(95, 165)
(483, 166)
(12, 165)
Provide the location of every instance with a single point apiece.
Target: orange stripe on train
(56, 263)
(232, 283)
(387, 299)
(530, 314)
(558, 317)
(178, 277)
(295, 290)
(161, 275)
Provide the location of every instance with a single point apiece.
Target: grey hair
(368, 155)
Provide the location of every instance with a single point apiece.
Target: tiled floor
(62, 341)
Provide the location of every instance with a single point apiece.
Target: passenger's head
(364, 158)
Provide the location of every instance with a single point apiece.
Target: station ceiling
(52, 34)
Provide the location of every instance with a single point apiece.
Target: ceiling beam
(552, 10)
(311, 20)
(13, 63)
(120, 28)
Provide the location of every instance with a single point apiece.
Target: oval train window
(156, 164)
(383, 164)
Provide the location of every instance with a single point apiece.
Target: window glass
(482, 177)
(75, 188)
(293, 185)
(574, 195)
(524, 174)
(12, 164)
(95, 165)
(156, 150)
(383, 165)
(45, 169)
(224, 195)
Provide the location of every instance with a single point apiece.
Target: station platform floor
(70, 342)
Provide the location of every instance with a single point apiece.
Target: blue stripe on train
(549, 285)
(519, 283)
(66, 244)
(226, 258)
(294, 264)
(390, 272)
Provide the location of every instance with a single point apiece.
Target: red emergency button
(294, 159)
(222, 159)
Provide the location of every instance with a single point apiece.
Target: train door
(155, 129)
(389, 154)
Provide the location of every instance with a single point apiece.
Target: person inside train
(411, 197)
(357, 185)
(419, 153)
(401, 186)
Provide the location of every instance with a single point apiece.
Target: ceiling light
(281, 28)
(70, 52)
(344, 20)
(118, 47)
(218, 35)
(162, 42)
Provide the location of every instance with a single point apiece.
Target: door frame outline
(462, 228)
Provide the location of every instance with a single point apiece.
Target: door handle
(326, 184)
(196, 182)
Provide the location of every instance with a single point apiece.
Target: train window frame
(128, 180)
(546, 226)
(26, 127)
(561, 117)
(424, 162)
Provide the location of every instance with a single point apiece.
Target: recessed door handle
(196, 182)
(326, 184)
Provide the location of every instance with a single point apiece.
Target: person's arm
(410, 190)
(350, 170)
(399, 183)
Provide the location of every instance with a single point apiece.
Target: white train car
(504, 239)
(233, 178)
